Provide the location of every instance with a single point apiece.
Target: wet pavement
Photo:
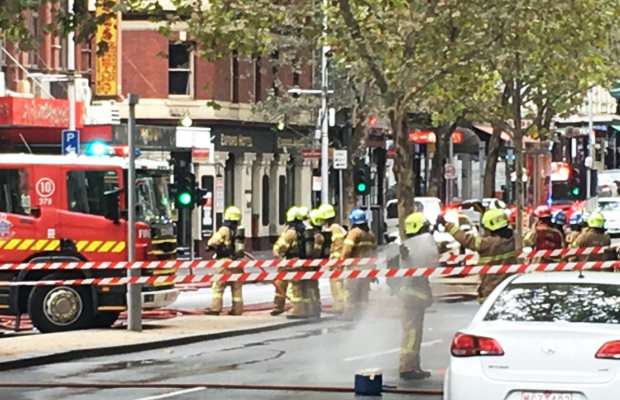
(325, 354)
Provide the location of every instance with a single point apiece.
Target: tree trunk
(437, 183)
(518, 141)
(490, 168)
(403, 171)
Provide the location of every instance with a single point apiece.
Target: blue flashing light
(549, 201)
(98, 149)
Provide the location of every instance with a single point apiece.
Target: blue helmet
(357, 216)
(575, 218)
(558, 217)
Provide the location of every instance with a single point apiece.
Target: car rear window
(551, 302)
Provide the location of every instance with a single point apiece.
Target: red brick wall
(246, 80)
(144, 71)
(222, 78)
(204, 76)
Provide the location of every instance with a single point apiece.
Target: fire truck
(70, 208)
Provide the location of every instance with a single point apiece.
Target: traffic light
(361, 179)
(577, 182)
(183, 187)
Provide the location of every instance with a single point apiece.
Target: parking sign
(70, 142)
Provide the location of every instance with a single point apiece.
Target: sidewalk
(26, 349)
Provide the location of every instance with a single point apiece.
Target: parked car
(544, 336)
(610, 208)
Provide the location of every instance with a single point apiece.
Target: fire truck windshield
(152, 197)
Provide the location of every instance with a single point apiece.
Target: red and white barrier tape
(315, 275)
(450, 257)
(120, 265)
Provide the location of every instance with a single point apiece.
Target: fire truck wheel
(60, 308)
(105, 319)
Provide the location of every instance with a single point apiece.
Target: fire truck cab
(70, 208)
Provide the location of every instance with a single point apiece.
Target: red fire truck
(69, 208)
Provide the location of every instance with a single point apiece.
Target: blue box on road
(368, 382)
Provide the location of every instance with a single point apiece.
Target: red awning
(505, 136)
(425, 136)
(43, 135)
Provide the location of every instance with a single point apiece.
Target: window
(282, 200)
(86, 189)
(180, 64)
(258, 83)
(235, 77)
(558, 302)
(609, 206)
(14, 196)
(265, 200)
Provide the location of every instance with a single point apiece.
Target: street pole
(71, 72)
(591, 150)
(134, 297)
(340, 198)
(450, 182)
(324, 119)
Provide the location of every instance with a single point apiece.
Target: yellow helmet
(414, 222)
(303, 211)
(494, 219)
(292, 214)
(232, 213)
(328, 211)
(596, 220)
(316, 217)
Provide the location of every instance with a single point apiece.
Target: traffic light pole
(134, 297)
(324, 119)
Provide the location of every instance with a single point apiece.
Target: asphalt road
(322, 354)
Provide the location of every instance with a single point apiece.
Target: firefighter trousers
(412, 321)
(218, 289)
(279, 300)
(315, 298)
(357, 293)
(299, 294)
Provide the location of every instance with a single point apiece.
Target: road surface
(321, 354)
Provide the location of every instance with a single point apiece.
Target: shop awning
(505, 136)
(616, 127)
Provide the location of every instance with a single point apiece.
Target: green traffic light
(361, 187)
(185, 198)
(575, 191)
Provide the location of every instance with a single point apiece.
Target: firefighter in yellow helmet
(360, 242)
(304, 212)
(290, 245)
(418, 249)
(594, 235)
(228, 244)
(334, 238)
(495, 248)
(314, 250)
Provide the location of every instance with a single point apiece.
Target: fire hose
(175, 385)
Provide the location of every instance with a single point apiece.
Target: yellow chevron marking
(119, 247)
(52, 245)
(93, 245)
(39, 245)
(25, 244)
(12, 244)
(106, 246)
(2, 242)
(81, 244)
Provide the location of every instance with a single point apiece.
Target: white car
(541, 336)
(610, 208)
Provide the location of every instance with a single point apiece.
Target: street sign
(340, 159)
(450, 171)
(70, 142)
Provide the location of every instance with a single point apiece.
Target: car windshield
(610, 206)
(558, 302)
(152, 197)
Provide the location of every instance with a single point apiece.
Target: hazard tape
(157, 265)
(337, 274)
(450, 257)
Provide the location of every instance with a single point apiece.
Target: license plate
(546, 396)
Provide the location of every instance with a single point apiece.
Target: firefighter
(576, 224)
(594, 235)
(544, 235)
(496, 247)
(334, 237)
(305, 216)
(290, 245)
(227, 243)
(316, 224)
(360, 242)
(558, 220)
(414, 292)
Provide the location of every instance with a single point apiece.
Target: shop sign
(106, 77)
(36, 111)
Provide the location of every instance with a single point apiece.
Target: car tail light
(464, 345)
(610, 350)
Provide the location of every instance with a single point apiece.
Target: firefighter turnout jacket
(359, 242)
(222, 242)
(336, 234)
(493, 250)
(591, 237)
